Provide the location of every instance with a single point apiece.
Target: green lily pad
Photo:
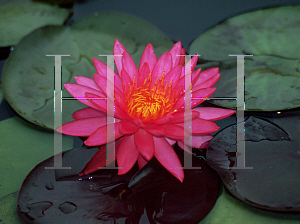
(28, 76)
(22, 146)
(228, 210)
(272, 74)
(1, 93)
(20, 17)
(8, 214)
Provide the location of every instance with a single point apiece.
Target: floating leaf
(272, 149)
(20, 17)
(272, 75)
(28, 77)
(22, 146)
(153, 195)
(8, 213)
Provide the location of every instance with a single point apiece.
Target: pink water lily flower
(149, 109)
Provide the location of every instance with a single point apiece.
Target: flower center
(148, 103)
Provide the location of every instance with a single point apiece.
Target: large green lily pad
(272, 150)
(22, 146)
(8, 214)
(228, 210)
(20, 17)
(272, 74)
(28, 77)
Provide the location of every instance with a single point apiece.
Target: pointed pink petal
(198, 141)
(173, 75)
(164, 64)
(207, 74)
(181, 61)
(171, 141)
(102, 83)
(127, 82)
(208, 83)
(127, 154)
(129, 65)
(163, 120)
(184, 147)
(179, 117)
(195, 76)
(127, 127)
(99, 136)
(165, 154)
(88, 113)
(203, 93)
(141, 161)
(86, 81)
(149, 57)
(102, 68)
(198, 97)
(156, 130)
(97, 161)
(174, 131)
(84, 127)
(175, 53)
(118, 51)
(96, 101)
(201, 126)
(144, 73)
(101, 105)
(144, 143)
(78, 91)
(213, 114)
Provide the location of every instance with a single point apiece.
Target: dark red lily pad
(272, 149)
(151, 195)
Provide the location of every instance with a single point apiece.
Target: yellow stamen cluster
(148, 103)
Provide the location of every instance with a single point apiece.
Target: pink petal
(88, 113)
(97, 161)
(184, 147)
(213, 114)
(203, 93)
(173, 75)
(207, 74)
(84, 127)
(129, 65)
(175, 53)
(179, 117)
(96, 101)
(144, 73)
(164, 64)
(99, 136)
(102, 106)
(118, 51)
(201, 126)
(78, 91)
(141, 161)
(174, 131)
(208, 83)
(86, 81)
(195, 76)
(127, 127)
(181, 61)
(149, 57)
(127, 154)
(198, 141)
(156, 130)
(102, 83)
(127, 82)
(144, 143)
(163, 120)
(171, 141)
(165, 154)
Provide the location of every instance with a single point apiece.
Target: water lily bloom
(149, 109)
